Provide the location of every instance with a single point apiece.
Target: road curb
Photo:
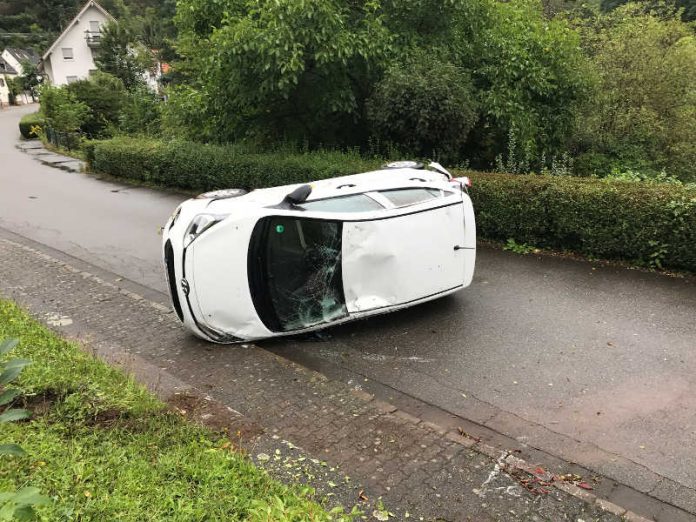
(58, 161)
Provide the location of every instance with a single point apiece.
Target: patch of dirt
(214, 415)
(112, 418)
(40, 403)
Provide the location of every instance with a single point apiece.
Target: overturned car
(286, 260)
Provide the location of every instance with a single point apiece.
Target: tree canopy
(643, 114)
(306, 69)
(593, 86)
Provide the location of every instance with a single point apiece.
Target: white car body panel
(392, 257)
(402, 259)
(210, 263)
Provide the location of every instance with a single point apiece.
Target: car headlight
(200, 224)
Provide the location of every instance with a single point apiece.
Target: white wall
(59, 68)
(4, 90)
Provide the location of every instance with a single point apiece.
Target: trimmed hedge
(27, 122)
(649, 224)
(194, 166)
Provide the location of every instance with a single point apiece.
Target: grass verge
(101, 447)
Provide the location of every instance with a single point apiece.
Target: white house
(15, 56)
(7, 72)
(11, 61)
(70, 58)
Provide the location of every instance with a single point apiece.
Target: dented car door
(403, 257)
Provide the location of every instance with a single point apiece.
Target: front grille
(171, 278)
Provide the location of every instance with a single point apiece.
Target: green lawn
(102, 448)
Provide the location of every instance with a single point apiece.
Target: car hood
(216, 269)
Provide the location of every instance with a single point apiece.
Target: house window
(67, 53)
(2, 82)
(71, 79)
(94, 26)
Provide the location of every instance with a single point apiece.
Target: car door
(410, 254)
(295, 263)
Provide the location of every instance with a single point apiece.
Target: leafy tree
(643, 116)
(120, 55)
(105, 95)
(304, 70)
(54, 14)
(532, 79)
(141, 113)
(425, 106)
(63, 112)
(14, 88)
(30, 78)
(278, 69)
(157, 28)
(688, 6)
(555, 7)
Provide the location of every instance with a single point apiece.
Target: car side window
(412, 196)
(352, 203)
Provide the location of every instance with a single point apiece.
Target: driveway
(587, 363)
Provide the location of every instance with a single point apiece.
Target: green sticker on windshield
(280, 229)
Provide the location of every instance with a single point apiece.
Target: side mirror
(299, 195)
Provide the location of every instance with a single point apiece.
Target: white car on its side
(287, 260)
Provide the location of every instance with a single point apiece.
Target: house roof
(6, 68)
(22, 55)
(90, 3)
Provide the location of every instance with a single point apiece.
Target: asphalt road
(110, 225)
(593, 364)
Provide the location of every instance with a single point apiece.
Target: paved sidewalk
(297, 424)
(36, 149)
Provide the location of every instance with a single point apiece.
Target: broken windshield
(295, 272)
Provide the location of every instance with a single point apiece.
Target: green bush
(27, 122)
(653, 224)
(104, 95)
(427, 107)
(649, 224)
(193, 166)
(141, 113)
(63, 112)
(643, 113)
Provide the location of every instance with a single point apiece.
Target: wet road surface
(593, 364)
(111, 225)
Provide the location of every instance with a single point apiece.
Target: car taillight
(464, 182)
